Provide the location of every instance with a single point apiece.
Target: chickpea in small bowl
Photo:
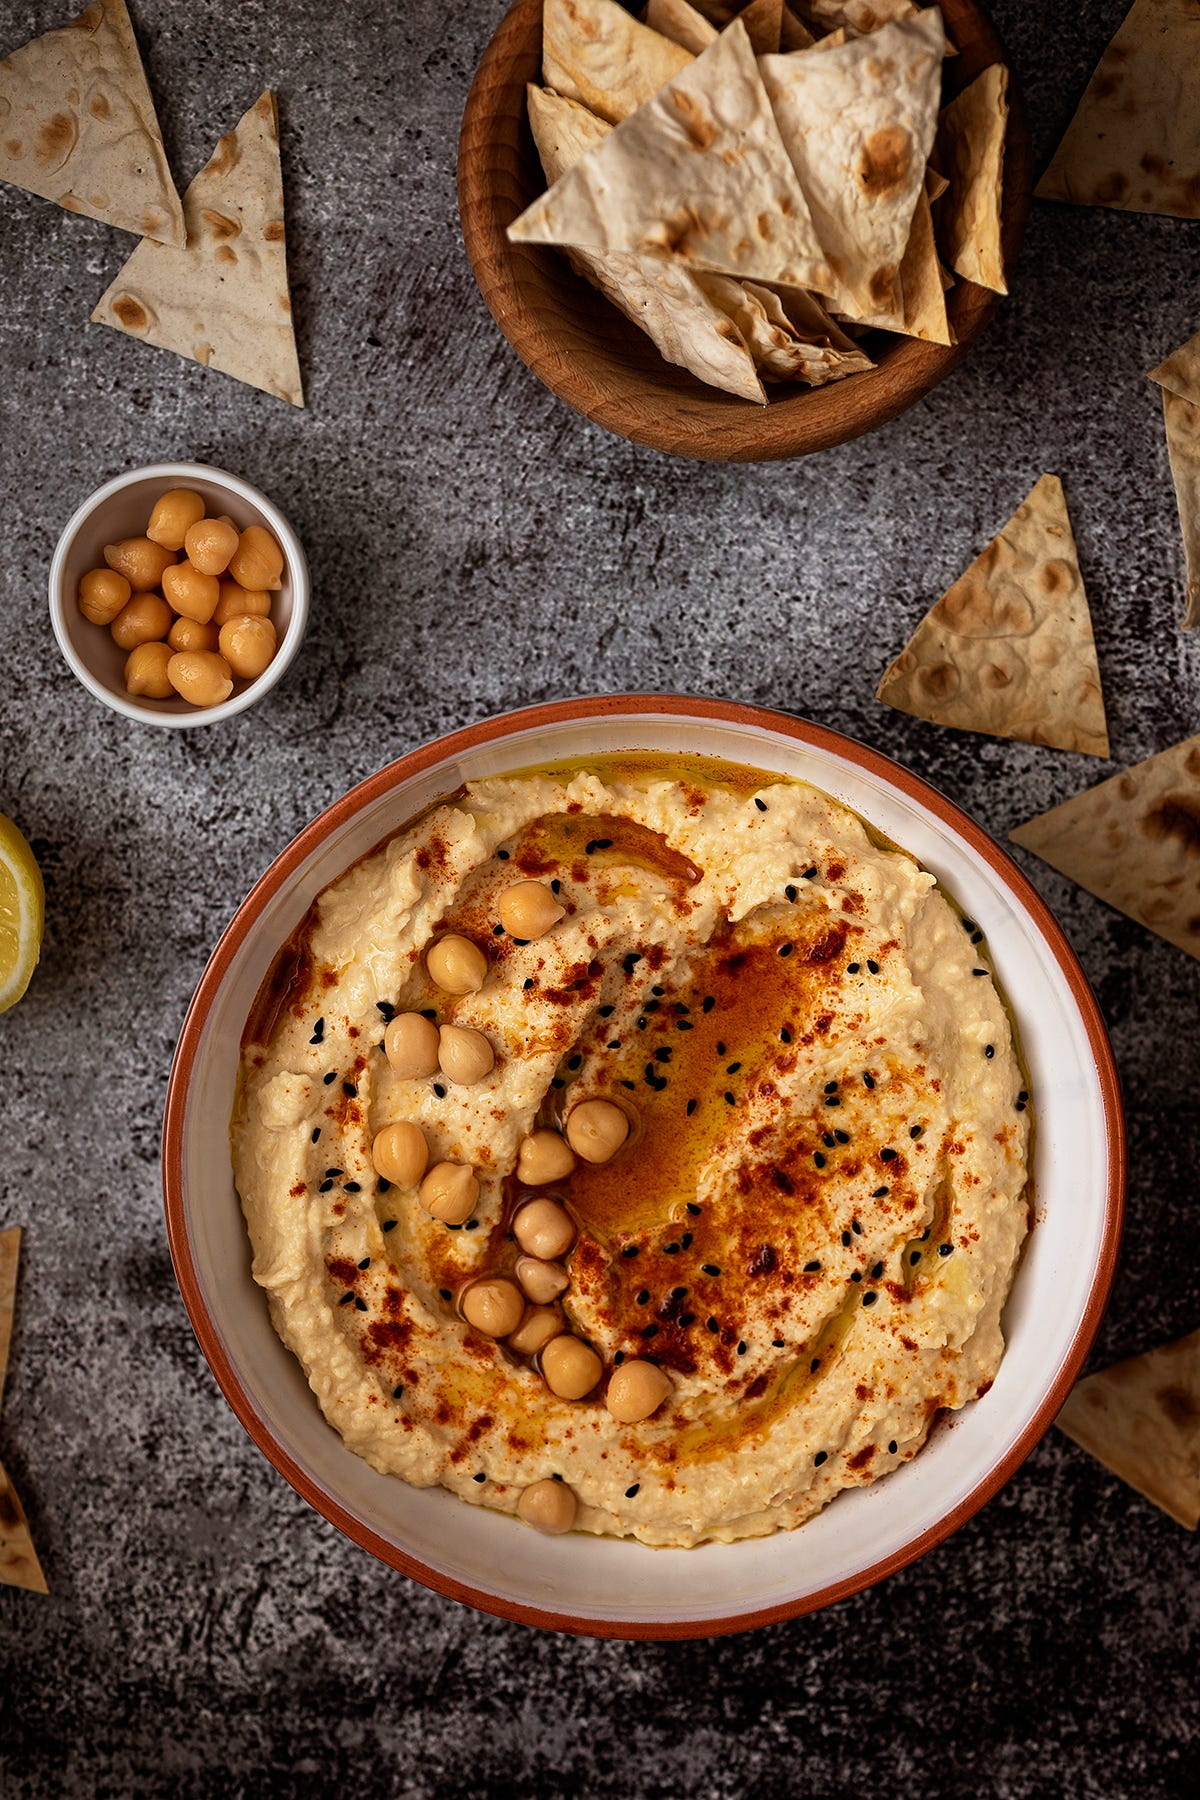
(178, 594)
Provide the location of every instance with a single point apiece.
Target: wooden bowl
(592, 357)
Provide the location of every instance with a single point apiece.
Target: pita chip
(1008, 650)
(223, 300)
(920, 310)
(858, 122)
(1134, 142)
(594, 52)
(10, 1246)
(789, 335)
(1134, 842)
(19, 1566)
(681, 22)
(699, 172)
(970, 153)
(1141, 1419)
(686, 324)
(78, 126)
(1179, 378)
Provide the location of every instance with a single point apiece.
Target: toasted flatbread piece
(19, 1566)
(1134, 842)
(1008, 650)
(679, 21)
(970, 153)
(699, 172)
(595, 52)
(10, 1247)
(789, 334)
(920, 309)
(78, 126)
(858, 122)
(223, 301)
(659, 294)
(1134, 143)
(1181, 371)
(1181, 421)
(1141, 1419)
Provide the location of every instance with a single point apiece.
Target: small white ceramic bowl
(606, 1586)
(121, 509)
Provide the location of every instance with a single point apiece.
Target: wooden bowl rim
(669, 409)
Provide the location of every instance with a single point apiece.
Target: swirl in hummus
(791, 1252)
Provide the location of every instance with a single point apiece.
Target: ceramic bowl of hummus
(656, 1125)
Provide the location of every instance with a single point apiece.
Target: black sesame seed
(846, 1238)
(618, 1359)
(990, 1051)
(945, 1249)
(439, 1090)
(445, 1293)
(856, 1274)
(729, 1099)
(332, 1172)
(828, 1139)
(365, 1263)
(652, 1006)
(868, 1081)
(382, 1186)
(812, 1268)
(832, 1100)
(979, 971)
(785, 1036)
(631, 960)
(843, 1137)
(892, 1448)
(1022, 1096)
(670, 1249)
(810, 874)
(872, 966)
(626, 1083)
(527, 983)
(711, 1325)
(629, 1250)
(471, 1225)
(502, 855)
(678, 1293)
(316, 1134)
(454, 1228)
(914, 1257)
(709, 1269)
(497, 931)
(786, 949)
(613, 1044)
(643, 1297)
(397, 1393)
(640, 1022)
(777, 1343)
(853, 968)
(606, 1012)
(1020, 1106)
(820, 1457)
(479, 1478)
(693, 1209)
(686, 1240)
(880, 1193)
(690, 1108)
(590, 846)
(887, 1155)
(387, 1009)
(361, 1304)
(831, 1087)
(349, 1088)
(389, 1224)
(870, 1299)
(631, 1493)
(522, 941)
(574, 1061)
(345, 1299)
(352, 1187)
(790, 892)
(818, 1159)
(556, 886)
(877, 1271)
(429, 1012)
(814, 1365)
(761, 804)
(914, 1131)
(683, 1024)
(708, 1003)
(664, 1053)
(332, 1076)
(742, 1349)
(721, 1047)
(733, 1068)
(686, 1319)
(324, 1187)
(856, 1228)
(649, 1331)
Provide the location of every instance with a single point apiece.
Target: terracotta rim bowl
(618, 1588)
(120, 509)
(590, 355)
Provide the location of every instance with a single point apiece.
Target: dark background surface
(475, 547)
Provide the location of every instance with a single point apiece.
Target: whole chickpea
(200, 677)
(173, 512)
(399, 1153)
(636, 1390)
(529, 910)
(247, 644)
(140, 561)
(494, 1306)
(209, 544)
(449, 1192)
(544, 1229)
(240, 603)
(464, 1055)
(540, 1324)
(542, 1157)
(190, 634)
(258, 561)
(143, 619)
(549, 1506)
(596, 1129)
(146, 672)
(456, 964)
(190, 592)
(541, 1281)
(102, 594)
(410, 1044)
(570, 1367)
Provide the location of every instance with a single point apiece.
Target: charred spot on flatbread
(131, 313)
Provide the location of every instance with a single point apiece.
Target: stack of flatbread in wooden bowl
(743, 231)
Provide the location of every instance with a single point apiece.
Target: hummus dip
(791, 1253)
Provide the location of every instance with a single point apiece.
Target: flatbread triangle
(223, 300)
(745, 213)
(969, 151)
(1134, 142)
(1141, 1419)
(78, 126)
(1008, 650)
(19, 1565)
(1179, 378)
(1134, 842)
(596, 53)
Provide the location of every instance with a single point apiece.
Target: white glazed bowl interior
(604, 1584)
(121, 509)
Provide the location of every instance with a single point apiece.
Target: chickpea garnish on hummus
(638, 1148)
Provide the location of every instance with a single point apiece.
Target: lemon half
(22, 913)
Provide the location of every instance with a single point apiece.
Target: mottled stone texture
(475, 546)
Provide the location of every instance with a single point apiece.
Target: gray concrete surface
(475, 546)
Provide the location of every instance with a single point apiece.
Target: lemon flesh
(22, 913)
